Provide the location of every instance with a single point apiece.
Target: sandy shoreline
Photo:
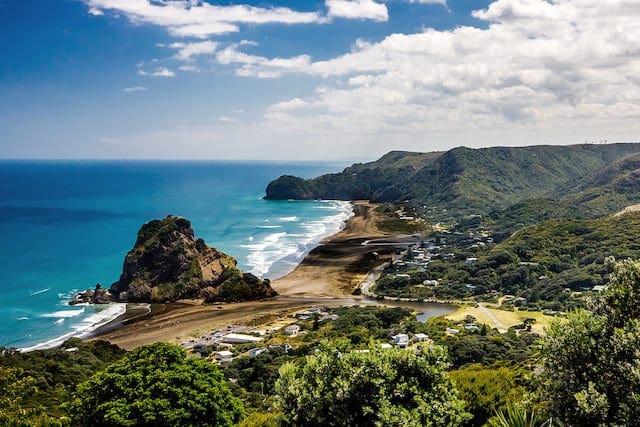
(327, 276)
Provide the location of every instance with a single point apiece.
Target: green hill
(592, 179)
(565, 253)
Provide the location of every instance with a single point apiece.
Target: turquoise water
(66, 226)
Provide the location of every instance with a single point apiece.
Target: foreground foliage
(156, 385)
(53, 374)
(376, 388)
(14, 389)
(487, 390)
(591, 359)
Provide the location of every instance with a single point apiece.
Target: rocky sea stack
(168, 263)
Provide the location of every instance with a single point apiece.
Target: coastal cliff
(168, 263)
(587, 180)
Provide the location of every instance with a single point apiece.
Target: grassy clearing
(501, 319)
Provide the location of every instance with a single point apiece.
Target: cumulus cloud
(357, 9)
(158, 72)
(186, 51)
(258, 66)
(564, 66)
(200, 19)
(135, 89)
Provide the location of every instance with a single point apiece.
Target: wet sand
(341, 262)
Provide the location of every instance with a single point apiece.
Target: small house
(292, 330)
(401, 340)
(257, 351)
(471, 327)
(223, 356)
(420, 337)
(240, 339)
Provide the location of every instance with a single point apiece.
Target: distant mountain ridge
(583, 180)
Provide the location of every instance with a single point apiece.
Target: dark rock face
(289, 187)
(168, 263)
(96, 296)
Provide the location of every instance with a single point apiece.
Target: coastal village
(223, 345)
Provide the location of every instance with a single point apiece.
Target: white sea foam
(94, 321)
(278, 253)
(41, 291)
(269, 226)
(23, 318)
(85, 328)
(59, 321)
(64, 313)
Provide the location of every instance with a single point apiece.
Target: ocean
(67, 225)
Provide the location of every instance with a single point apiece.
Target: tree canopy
(591, 359)
(391, 387)
(156, 385)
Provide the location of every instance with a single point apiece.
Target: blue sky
(334, 79)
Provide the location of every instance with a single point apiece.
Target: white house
(420, 337)
(240, 339)
(292, 330)
(224, 356)
(256, 351)
(401, 340)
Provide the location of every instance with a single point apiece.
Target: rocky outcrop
(168, 263)
(290, 187)
(99, 295)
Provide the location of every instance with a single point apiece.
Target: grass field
(502, 319)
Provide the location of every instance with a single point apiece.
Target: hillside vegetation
(580, 180)
(544, 265)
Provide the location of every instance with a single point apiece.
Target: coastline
(318, 279)
(340, 262)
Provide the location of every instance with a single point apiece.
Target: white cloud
(135, 89)
(542, 71)
(357, 9)
(158, 72)
(95, 11)
(201, 19)
(290, 105)
(567, 66)
(442, 2)
(252, 65)
(186, 51)
(189, 68)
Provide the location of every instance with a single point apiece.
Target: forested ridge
(586, 180)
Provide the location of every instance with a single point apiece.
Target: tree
(591, 360)
(156, 385)
(13, 412)
(390, 387)
(486, 390)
